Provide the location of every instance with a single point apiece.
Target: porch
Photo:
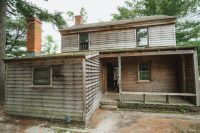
(113, 99)
(173, 77)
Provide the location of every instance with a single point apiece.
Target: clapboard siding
(162, 35)
(64, 98)
(93, 86)
(69, 43)
(113, 39)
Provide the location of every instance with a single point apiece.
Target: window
(144, 71)
(41, 76)
(84, 41)
(142, 37)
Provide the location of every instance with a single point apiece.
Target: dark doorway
(112, 77)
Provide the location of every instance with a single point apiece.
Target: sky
(97, 10)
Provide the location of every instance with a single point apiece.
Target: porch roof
(78, 54)
(145, 51)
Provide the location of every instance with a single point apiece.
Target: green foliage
(49, 46)
(28, 9)
(17, 13)
(135, 8)
(83, 13)
(15, 36)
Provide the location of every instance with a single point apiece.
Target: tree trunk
(2, 47)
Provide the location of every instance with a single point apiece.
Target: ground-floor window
(144, 71)
(42, 76)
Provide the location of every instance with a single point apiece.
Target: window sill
(41, 86)
(143, 81)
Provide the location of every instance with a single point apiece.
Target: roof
(119, 22)
(143, 49)
(83, 54)
(89, 54)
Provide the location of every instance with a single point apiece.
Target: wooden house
(136, 60)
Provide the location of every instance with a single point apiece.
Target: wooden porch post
(196, 76)
(120, 76)
(183, 74)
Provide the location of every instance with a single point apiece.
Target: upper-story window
(142, 37)
(84, 41)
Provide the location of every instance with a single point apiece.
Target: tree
(2, 46)
(135, 8)
(49, 46)
(16, 37)
(17, 13)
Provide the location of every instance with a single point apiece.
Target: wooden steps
(109, 107)
(109, 102)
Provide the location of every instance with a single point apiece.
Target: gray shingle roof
(110, 23)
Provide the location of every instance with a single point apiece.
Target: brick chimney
(78, 20)
(34, 32)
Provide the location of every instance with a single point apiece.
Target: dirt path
(108, 122)
(139, 122)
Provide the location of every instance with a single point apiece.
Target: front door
(112, 77)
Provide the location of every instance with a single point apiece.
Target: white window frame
(147, 37)
(140, 80)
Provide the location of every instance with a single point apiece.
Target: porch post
(120, 76)
(183, 74)
(196, 76)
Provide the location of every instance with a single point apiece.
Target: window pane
(142, 37)
(144, 73)
(84, 41)
(41, 76)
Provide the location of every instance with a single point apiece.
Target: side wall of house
(63, 98)
(163, 71)
(93, 85)
(69, 43)
(113, 39)
(162, 35)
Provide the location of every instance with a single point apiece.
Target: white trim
(91, 55)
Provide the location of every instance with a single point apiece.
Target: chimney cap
(33, 19)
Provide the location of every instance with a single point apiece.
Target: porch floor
(174, 100)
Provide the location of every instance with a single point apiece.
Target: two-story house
(136, 60)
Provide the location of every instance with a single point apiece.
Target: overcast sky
(98, 10)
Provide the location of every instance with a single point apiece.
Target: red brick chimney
(34, 32)
(78, 20)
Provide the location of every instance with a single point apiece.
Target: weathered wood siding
(163, 35)
(64, 98)
(113, 39)
(93, 86)
(69, 43)
(163, 71)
